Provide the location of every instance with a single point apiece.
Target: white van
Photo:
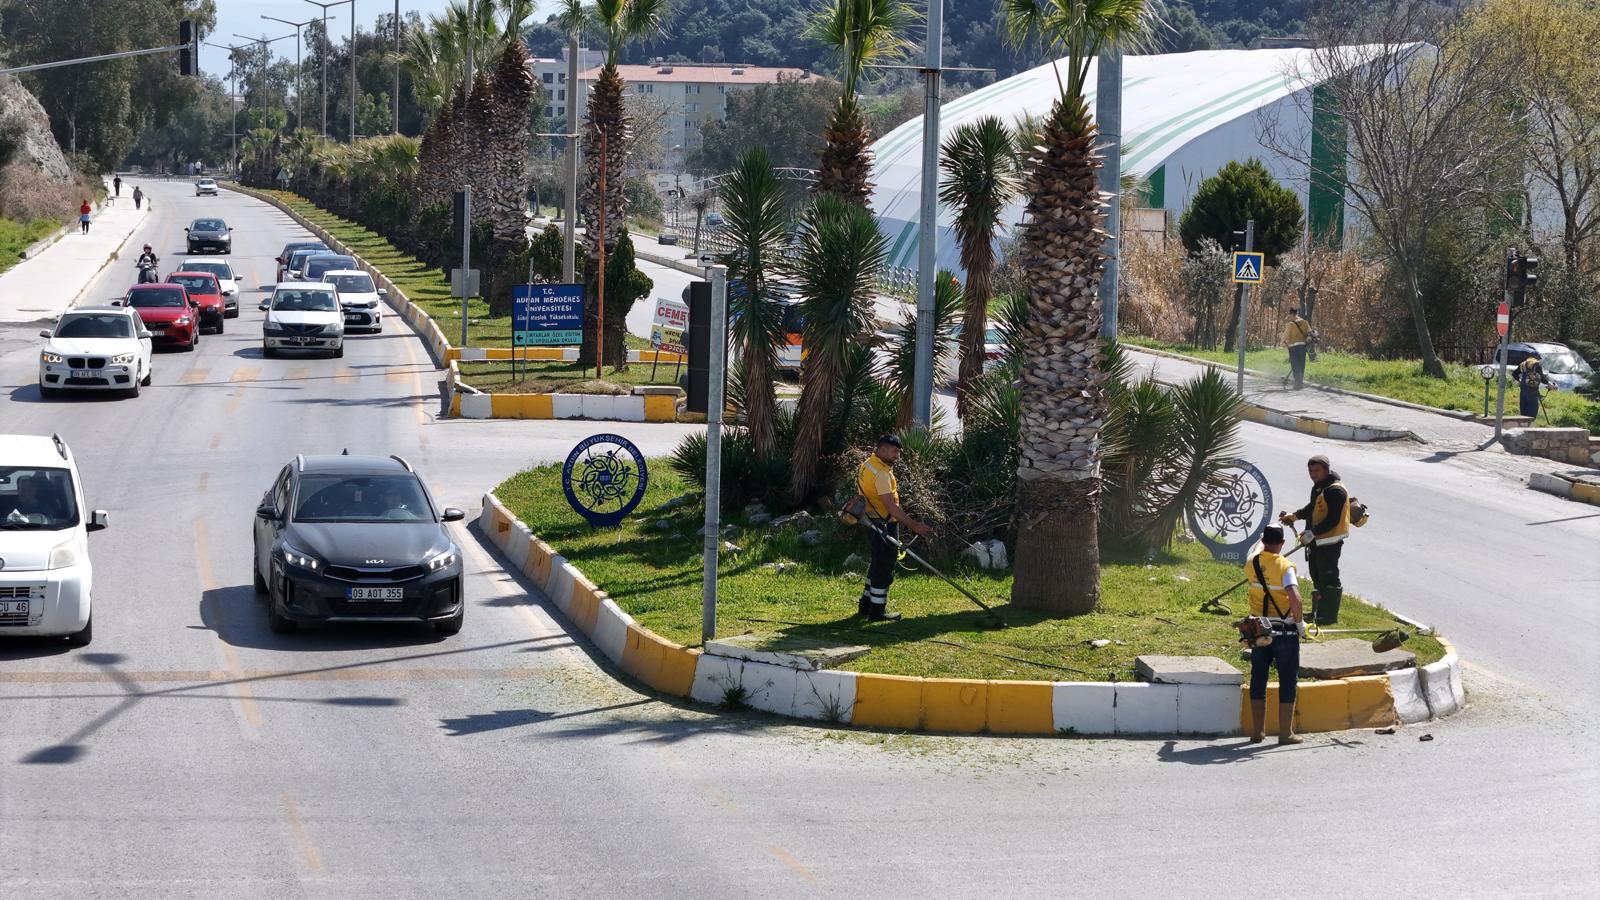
(45, 574)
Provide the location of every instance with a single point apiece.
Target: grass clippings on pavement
(651, 566)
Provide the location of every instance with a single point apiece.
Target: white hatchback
(361, 300)
(303, 315)
(45, 574)
(95, 348)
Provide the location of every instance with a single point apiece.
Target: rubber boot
(1286, 733)
(1328, 606)
(1258, 721)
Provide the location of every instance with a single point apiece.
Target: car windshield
(352, 284)
(207, 225)
(156, 299)
(362, 498)
(298, 259)
(36, 499)
(1563, 362)
(197, 284)
(319, 264)
(95, 325)
(304, 301)
(219, 269)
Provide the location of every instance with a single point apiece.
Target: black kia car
(356, 539)
(209, 234)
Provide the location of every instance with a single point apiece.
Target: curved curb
(1565, 488)
(1338, 431)
(910, 703)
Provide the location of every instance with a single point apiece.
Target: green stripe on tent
(1149, 139)
(905, 232)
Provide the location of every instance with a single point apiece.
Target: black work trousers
(1285, 654)
(885, 556)
(1297, 365)
(1323, 561)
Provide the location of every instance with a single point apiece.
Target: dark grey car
(318, 263)
(209, 234)
(356, 539)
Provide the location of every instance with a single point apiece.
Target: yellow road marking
(299, 373)
(208, 582)
(245, 375)
(301, 838)
(201, 487)
(347, 376)
(788, 859)
(216, 440)
(399, 376)
(194, 376)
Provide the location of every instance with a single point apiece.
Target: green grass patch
(501, 377)
(654, 572)
(16, 236)
(1400, 379)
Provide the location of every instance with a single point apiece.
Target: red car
(204, 288)
(168, 312)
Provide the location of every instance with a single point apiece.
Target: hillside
(36, 180)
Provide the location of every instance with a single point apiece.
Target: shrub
(1237, 193)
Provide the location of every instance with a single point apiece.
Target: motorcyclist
(148, 263)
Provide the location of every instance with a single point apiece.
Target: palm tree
(861, 32)
(980, 181)
(1063, 396)
(840, 252)
(621, 22)
(757, 222)
(902, 365)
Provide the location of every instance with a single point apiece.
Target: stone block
(1436, 689)
(1186, 670)
(1208, 708)
(888, 701)
(1146, 708)
(767, 688)
(1410, 704)
(826, 695)
(611, 630)
(1322, 706)
(1550, 484)
(566, 406)
(1371, 702)
(1020, 707)
(955, 704)
(806, 654)
(1349, 656)
(1084, 707)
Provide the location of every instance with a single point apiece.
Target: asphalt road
(191, 753)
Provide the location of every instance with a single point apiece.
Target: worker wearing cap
(1530, 374)
(1297, 337)
(1274, 598)
(877, 484)
(1327, 519)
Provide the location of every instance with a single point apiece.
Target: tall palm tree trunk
(974, 322)
(608, 116)
(508, 145)
(1063, 400)
(844, 166)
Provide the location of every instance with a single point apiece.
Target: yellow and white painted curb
(908, 703)
(467, 402)
(1321, 427)
(1567, 488)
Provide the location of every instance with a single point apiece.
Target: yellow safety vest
(1296, 332)
(1319, 511)
(1274, 567)
(870, 479)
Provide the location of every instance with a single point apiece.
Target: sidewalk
(46, 285)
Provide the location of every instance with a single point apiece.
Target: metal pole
(89, 59)
(928, 256)
(466, 258)
(569, 263)
(300, 83)
(1108, 117)
(1500, 400)
(324, 90)
(1244, 302)
(715, 402)
(600, 292)
(396, 65)
(352, 71)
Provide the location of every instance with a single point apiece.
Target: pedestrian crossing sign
(1247, 268)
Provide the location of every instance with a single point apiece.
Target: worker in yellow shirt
(876, 482)
(1275, 601)
(1297, 337)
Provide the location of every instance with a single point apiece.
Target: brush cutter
(905, 550)
(1389, 638)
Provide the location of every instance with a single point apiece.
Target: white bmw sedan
(98, 348)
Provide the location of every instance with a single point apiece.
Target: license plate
(19, 607)
(386, 594)
(349, 319)
(81, 379)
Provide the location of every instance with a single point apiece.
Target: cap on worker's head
(891, 440)
(1272, 534)
(1318, 460)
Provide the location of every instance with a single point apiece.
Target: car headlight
(294, 557)
(48, 357)
(181, 320)
(63, 555)
(333, 329)
(442, 561)
(271, 327)
(123, 359)
(227, 237)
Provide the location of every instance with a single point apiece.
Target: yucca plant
(839, 255)
(860, 33)
(981, 179)
(948, 300)
(757, 223)
(1063, 396)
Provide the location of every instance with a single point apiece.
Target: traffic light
(1521, 273)
(458, 212)
(189, 56)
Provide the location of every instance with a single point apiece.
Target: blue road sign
(1247, 267)
(604, 479)
(544, 315)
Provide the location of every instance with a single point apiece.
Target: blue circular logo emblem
(604, 479)
(1230, 513)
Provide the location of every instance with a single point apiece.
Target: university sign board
(545, 315)
(1231, 512)
(1247, 267)
(669, 326)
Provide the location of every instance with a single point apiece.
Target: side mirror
(194, 304)
(186, 229)
(267, 512)
(383, 292)
(98, 521)
(451, 514)
(46, 334)
(264, 306)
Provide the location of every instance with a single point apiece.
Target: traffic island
(635, 591)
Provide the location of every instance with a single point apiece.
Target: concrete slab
(1186, 670)
(1349, 656)
(805, 654)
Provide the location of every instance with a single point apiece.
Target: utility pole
(1108, 119)
(1500, 356)
(300, 75)
(718, 338)
(233, 97)
(928, 227)
(569, 254)
(600, 274)
(1242, 301)
(466, 213)
(268, 57)
(353, 94)
(396, 66)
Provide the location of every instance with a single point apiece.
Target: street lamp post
(264, 42)
(300, 75)
(396, 65)
(233, 99)
(325, 7)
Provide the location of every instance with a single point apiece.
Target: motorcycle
(148, 274)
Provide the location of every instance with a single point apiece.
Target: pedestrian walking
(83, 216)
(881, 491)
(138, 196)
(1275, 636)
(116, 185)
(1327, 519)
(1531, 376)
(1297, 337)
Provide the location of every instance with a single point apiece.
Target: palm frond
(861, 32)
(758, 226)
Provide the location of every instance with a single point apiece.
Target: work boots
(1286, 733)
(1327, 606)
(1258, 721)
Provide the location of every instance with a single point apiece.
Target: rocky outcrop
(37, 150)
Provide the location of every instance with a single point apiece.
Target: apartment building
(551, 74)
